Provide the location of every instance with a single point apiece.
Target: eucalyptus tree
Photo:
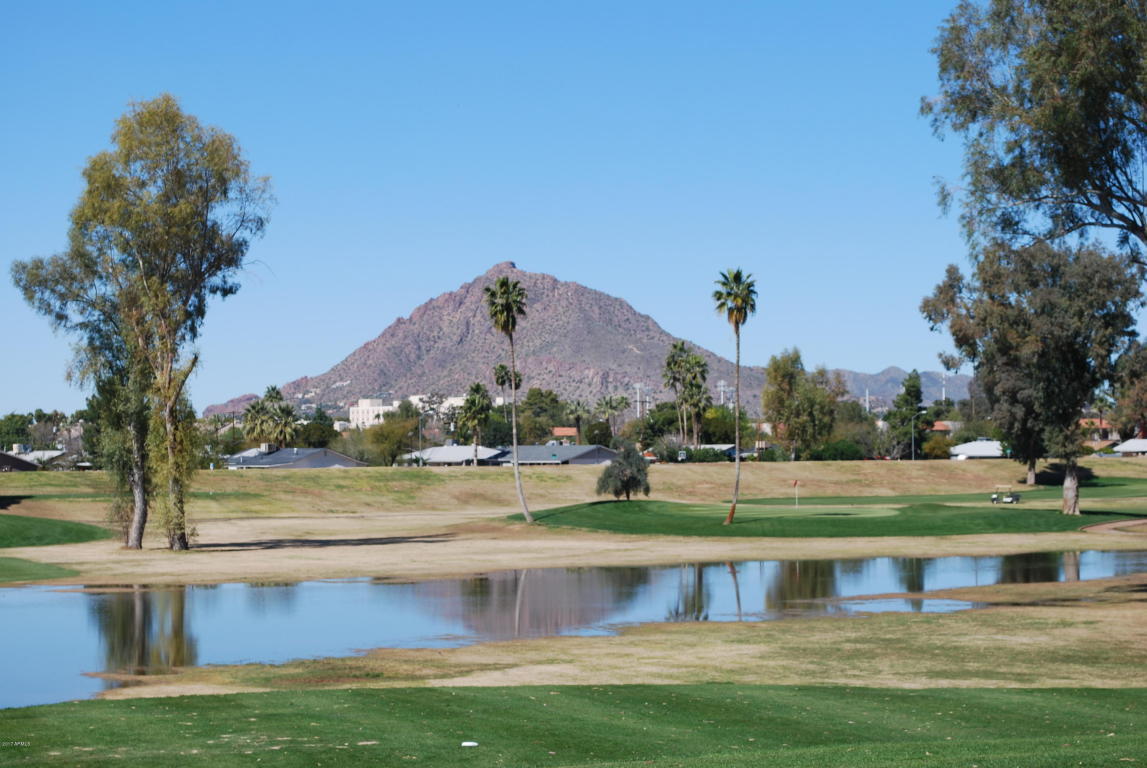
(1044, 328)
(475, 413)
(505, 303)
(164, 223)
(1050, 98)
(736, 298)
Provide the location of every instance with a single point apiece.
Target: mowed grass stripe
(20, 531)
(691, 725)
(820, 520)
(15, 569)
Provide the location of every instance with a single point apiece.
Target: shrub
(625, 475)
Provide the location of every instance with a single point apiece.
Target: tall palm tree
(579, 411)
(673, 376)
(736, 298)
(695, 396)
(475, 410)
(506, 302)
(501, 379)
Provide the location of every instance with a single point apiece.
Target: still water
(52, 639)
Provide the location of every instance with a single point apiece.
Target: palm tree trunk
(736, 428)
(514, 432)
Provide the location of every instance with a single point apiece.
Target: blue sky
(638, 148)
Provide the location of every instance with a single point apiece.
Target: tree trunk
(1070, 489)
(138, 482)
(514, 431)
(475, 448)
(1031, 472)
(736, 429)
(177, 522)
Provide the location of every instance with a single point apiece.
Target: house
(1134, 447)
(558, 454)
(981, 448)
(10, 463)
(291, 458)
(948, 428)
(42, 458)
(451, 455)
(565, 434)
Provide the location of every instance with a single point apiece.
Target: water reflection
(142, 630)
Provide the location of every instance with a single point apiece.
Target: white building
(981, 448)
(369, 412)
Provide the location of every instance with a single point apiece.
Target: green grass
(19, 531)
(824, 517)
(672, 725)
(15, 569)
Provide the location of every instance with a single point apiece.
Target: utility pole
(722, 387)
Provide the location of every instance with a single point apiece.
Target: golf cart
(1005, 495)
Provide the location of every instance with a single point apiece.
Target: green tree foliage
(315, 434)
(1044, 326)
(391, 439)
(837, 450)
(541, 410)
(475, 413)
(163, 225)
(505, 303)
(627, 474)
(1050, 98)
(906, 422)
(1130, 412)
(736, 299)
(800, 405)
(719, 422)
(14, 429)
(598, 433)
(937, 446)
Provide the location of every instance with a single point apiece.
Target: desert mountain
(579, 342)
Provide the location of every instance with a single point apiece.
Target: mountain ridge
(578, 341)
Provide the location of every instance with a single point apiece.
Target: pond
(52, 639)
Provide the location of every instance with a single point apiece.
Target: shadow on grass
(1054, 474)
(263, 544)
(10, 501)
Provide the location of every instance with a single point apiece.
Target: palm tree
(475, 410)
(607, 407)
(273, 394)
(283, 427)
(673, 376)
(736, 298)
(257, 420)
(501, 379)
(506, 302)
(695, 396)
(579, 411)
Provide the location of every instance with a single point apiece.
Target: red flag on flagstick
(795, 483)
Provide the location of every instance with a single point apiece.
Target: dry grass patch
(1086, 634)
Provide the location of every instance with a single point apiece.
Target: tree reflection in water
(144, 630)
(692, 595)
(534, 602)
(798, 582)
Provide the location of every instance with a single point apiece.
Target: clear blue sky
(637, 148)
